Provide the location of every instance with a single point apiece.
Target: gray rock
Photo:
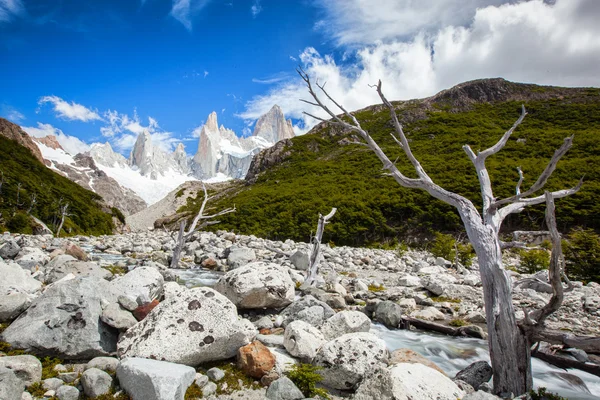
(77, 268)
(208, 389)
(52, 383)
(141, 281)
(407, 381)
(409, 281)
(201, 380)
(106, 364)
(302, 340)
(346, 360)
(257, 285)
(68, 377)
(294, 311)
(476, 373)
(127, 302)
(154, 380)
(27, 368)
(270, 340)
(67, 393)
(96, 382)
(263, 322)
(9, 249)
(284, 389)
(117, 317)
(26, 396)
(201, 325)
(480, 395)
(12, 305)
(301, 260)
(240, 256)
(65, 321)
(32, 258)
(388, 313)
(15, 278)
(345, 322)
(215, 374)
(11, 387)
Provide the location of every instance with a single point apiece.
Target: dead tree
(63, 215)
(32, 202)
(184, 235)
(315, 255)
(509, 346)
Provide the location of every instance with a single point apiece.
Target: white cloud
(9, 9)
(71, 144)
(293, 58)
(11, 113)
(275, 78)
(184, 10)
(529, 41)
(205, 73)
(256, 8)
(71, 111)
(122, 131)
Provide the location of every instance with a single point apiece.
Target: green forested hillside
(19, 166)
(323, 171)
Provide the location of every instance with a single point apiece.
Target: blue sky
(103, 70)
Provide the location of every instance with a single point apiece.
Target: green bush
(582, 255)
(445, 246)
(305, 377)
(20, 222)
(542, 394)
(533, 261)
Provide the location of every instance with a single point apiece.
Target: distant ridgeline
(291, 183)
(24, 178)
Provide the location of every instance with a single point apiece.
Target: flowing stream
(451, 354)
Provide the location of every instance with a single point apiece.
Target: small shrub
(445, 246)
(305, 377)
(582, 255)
(118, 214)
(48, 364)
(36, 390)
(542, 394)
(375, 288)
(116, 270)
(3, 327)
(533, 261)
(458, 322)
(298, 284)
(193, 392)
(6, 348)
(234, 379)
(443, 299)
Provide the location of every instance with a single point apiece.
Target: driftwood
(315, 255)
(407, 322)
(564, 362)
(589, 344)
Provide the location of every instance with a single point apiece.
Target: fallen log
(589, 344)
(563, 362)
(407, 322)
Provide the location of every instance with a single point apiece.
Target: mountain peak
(211, 122)
(273, 126)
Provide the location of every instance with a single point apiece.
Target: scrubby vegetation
(306, 377)
(324, 170)
(533, 261)
(234, 379)
(542, 394)
(447, 247)
(582, 255)
(24, 176)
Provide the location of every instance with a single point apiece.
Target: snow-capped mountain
(150, 172)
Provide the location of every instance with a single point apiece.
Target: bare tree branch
(504, 139)
(315, 256)
(521, 177)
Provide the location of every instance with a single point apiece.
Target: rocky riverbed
(122, 322)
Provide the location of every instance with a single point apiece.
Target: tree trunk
(178, 246)
(509, 348)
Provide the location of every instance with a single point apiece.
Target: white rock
(201, 325)
(95, 382)
(302, 340)
(27, 368)
(257, 285)
(409, 281)
(146, 379)
(345, 322)
(348, 359)
(15, 278)
(429, 314)
(141, 281)
(406, 381)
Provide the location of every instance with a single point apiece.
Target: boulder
(9, 249)
(12, 305)
(408, 381)
(316, 316)
(429, 314)
(201, 325)
(106, 364)
(302, 340)
(96, 382)
(11, 387)
(257, 285)
(255, 359)
(388, 313)
(215, 374)
(65, 321)
(154, 380)
(284, 389)
(410, 281)
(142, 311)
(32, 258)
(300, 260)
(283, 361)
(73, 250)
(475, 374)
(146, 281)
(16, 279)
(480, 395)
(67, 393)
(239, 256)
(27, 368)
(345, 322)
(399, 356)
(118, 317)
(346, 360)
(77, 268)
